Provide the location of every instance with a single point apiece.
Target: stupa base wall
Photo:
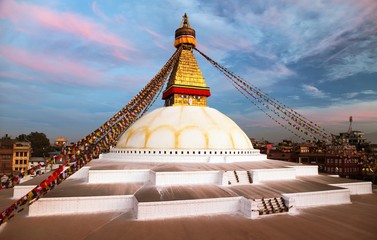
(184, 155)
(305, 170)
(187, 177)
(319, 198)
(356, 188)
(80, 205)
(184, 208)
(191, 177)
(259, 175)
(123, 176)
(21, 190)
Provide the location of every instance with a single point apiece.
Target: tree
(40, 144)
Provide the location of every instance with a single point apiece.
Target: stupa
(188, 159)
(185, 129)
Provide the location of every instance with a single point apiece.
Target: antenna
(350, 127)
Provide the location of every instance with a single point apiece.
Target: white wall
(21, 190)
(306, 170)
(119, 176)
(356, 188)
(184, 208)
(79, 205)
(320, 198)
(273, 174)
(188, 177)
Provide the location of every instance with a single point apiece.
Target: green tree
(40, 144)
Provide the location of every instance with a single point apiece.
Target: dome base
(185, 127)
(184, 155)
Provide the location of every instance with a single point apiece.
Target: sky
(67, 66)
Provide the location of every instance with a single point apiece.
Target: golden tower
(186, 85)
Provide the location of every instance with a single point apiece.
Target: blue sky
(68, 66)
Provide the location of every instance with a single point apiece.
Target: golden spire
(186, 84)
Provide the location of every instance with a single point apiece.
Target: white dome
(184, 127)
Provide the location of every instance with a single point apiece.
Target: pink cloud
(338, 114)
(25, 13)
(47, 63)
(118, 54)
(153, 33)
(16, 76)
(99, 12)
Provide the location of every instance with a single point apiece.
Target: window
(25, 161)
(17, 154)
(16, 161)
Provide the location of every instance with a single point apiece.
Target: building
(60, 142)
(21, 156)
(6, 156)
(14, 156)
(39, 164)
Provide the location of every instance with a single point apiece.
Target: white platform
(151, 208)
(197, 177)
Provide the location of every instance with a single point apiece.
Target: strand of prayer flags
(99, 141)
(269, 115)
(15, 179)
(301, 124)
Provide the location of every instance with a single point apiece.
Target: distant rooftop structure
(60, 142)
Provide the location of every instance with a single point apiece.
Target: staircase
(271, 206)
(238, 177)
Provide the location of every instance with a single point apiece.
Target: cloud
(349, 65)
(67, 22)
(355, 94)
(48, 64)
(333, 118)
(13, 75)
(313, 91)
(340, 32)
(99, 12)
(339, 113)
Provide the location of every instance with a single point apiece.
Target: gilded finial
(185, 22)
(185, 34)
